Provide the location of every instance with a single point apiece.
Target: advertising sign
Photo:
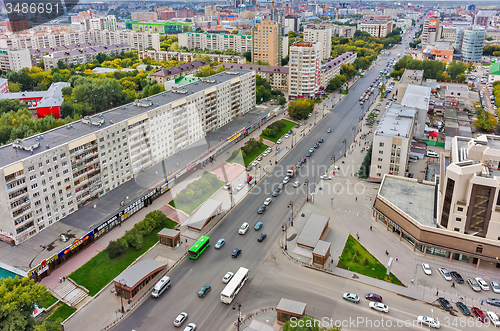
(432, 25)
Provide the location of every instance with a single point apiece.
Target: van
(432, 154)
(161, 286)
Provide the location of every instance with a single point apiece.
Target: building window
(450, 185)
(458, 219)
(479, 216)
(479, 249)
(456, 229)
(381, 152)
(460, 208)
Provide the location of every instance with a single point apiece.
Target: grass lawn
(100, 270)
(374, 268)
(191, 206)
(289, 125)
(49, 302)
(63, 311)
(236, 159)
(247, 159)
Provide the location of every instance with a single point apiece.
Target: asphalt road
(269, 280)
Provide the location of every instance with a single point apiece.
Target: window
(34, 186)
(381, 152)
(460, 208)
(458, 219)
(479, 249)
(456, 229)
(31, 168)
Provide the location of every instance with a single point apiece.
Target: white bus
(160, 287)
(234, 286)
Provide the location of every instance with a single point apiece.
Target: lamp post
(283, 227)
(123, 283)
(230, 189)
(306, 182)
(345, 147)
(239, 320)
(354, 133)
(290, 205)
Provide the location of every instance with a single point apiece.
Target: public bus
(198, 247)
(234, 286)
(362, 74)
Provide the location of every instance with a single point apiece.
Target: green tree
(455, 69)
(7, 105)
(248, 56)
(117, 247)
(364, 170)
(174, 47)
(300, 108)
(281, 100)
(187, 28)
(234, 32)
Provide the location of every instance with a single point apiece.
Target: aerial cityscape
(323, 165)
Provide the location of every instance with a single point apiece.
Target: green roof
(183, 80)
(495, 68)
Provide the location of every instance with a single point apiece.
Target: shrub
(117, 247)
(356, 252)
(366, 262)
(355, 258)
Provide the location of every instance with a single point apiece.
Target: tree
(61, 65)
(300, 108)
(455, 69)
(117, 247)
(187, 28)
(7, 105)
(281, 100)
(234, 32)
(248, 56)
(203, 57)
(174, 47)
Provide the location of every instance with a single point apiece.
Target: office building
(440, 51)
(305, 69)
(82, 56)
(267, 43)
(293, 22)
(14, 60)
(189, 57)
(322, 35)
(211, 41)
(469, 43)
(377, 29)
(430, 30)
(191, 68)
(144, 16)
(157, 27)
(278, 77)
(331, 67)
(46, 177)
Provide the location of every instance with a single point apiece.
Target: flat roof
(417, 96)
(168, 232)
(412, 76)
(312, 230)
(414, 198)
(133, 274)
(199, 219)
(256, 67)
(397, 121)
(54, 97)
(321, 248)
(459, 88)
(62, 135)
(291, 306)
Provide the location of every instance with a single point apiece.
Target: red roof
(433, 134)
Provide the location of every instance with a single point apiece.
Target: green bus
(362, 74)
(198, 247)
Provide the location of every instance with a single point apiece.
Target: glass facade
(450, 185)
(479, 205)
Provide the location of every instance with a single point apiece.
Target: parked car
(243, 228)
(493, 301)
(268, 201)
(303, 160)
(432, 154)
(239, 187)
(311, 150)
(473, 284)
(261, 238)
(495, 287)
(325, 177)
(258, 225)
(279, 141)
(249, 178)
(261, 209)
(463, 308)
(180, 319)
(373, 297)
(445, 304)
(220, 243)
(190, 327)
(236, 252)
(276, 192)
(204, 290)
(493, 318)
(433, 323)
(308, 154)
(227, 186)
(379, 306)
(351, 297)
(296, 184)
(427, 269)
(286, 180)
(446, 275)
(227, 277)
(479, 314)
(482, 284)
(458, 278)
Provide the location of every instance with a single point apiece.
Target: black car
(463, 308)
(316, 145)
(236, 252)
(276, 192)
(261, 209)
(320, 140)
(445, 304)
(290, 132)
(456, 276)
(261, 238)
(493, 301)
(297, 126)
(308, 154)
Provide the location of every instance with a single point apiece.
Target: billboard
(432, 25)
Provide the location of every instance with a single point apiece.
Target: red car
(249, 178)
(479, 314)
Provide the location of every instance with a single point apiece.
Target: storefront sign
(42, 267)
(77, 242)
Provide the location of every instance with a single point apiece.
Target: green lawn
(50, 302)
(289, 125)
(63, 311)
(374, 268)
(237, 158)
(247, 159)
(100, 270)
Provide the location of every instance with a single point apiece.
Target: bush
(117, 247)
(355, 258)
(273, 129)
(356, 252)
(366, 262)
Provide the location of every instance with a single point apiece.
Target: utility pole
(290, 205)
(306, 182)
(345, 147)
(230, 189)
(239, 320)
(283, 227)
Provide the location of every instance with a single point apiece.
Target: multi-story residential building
(414, 77)
(345, 31)
(37, 54)
(278, 77)
(448, 32)
(191, 68)
(493, 33)
(332, 67)
(189, 57)
(418, 97)
(210, 41)
(17, 25)
(210, 10)
(95, 24)
(81, 56)
(305, 69)
(469, 43)
(377, 29)
(293, 22)
(167, 15)
(185, 13)
(267, 43)
(157, 27)
(347, 11)
(430, 30)
(14, 60)
(46, 177)
(322, 35)
(144, 16)
(277, 15)
(483, 18)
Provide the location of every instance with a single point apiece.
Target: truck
(291, 172)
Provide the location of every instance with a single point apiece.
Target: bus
(234, 286)
(362, 74)
(198, 247)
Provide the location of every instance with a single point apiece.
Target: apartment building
(36, 55)
(331, 68)
(81, 56)
(305, 69)
(189, 57)
(322, 35)
(392, 142)
(95, 24)
(14, 59)
(267, 43)
(191, 68)
(46, 177)
(430, 30)
(377, 29)
(157, 27)
(470, 43)
(278, 77)
(414, 77)
(144, 16)
(418, 97)
(210, 41)
(293, 22)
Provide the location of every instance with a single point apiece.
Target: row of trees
(197, 189)
(490, 50)
(486, 121)
(274, 129)
(433, 69)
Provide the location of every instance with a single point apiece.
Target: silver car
(446, 275)
(473, 284)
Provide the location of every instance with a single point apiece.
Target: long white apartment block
(46, 177)
(237, 42)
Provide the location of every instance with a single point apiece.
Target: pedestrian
(396, 258)
(437, 293)
(371, 228)
(64, 279)
(357, 235)
(351, 173)
(453, 284)
(482, 301)
(60, 279)
(461, 298)
(412, 281)
(386, 252)
(356, 198)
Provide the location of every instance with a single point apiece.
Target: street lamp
(283, 228)
(306, 182)
(239, 320)
(290, 205)
(354, 133)
(345, 147)
(122, 283)
(230, 189)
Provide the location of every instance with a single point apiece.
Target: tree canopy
(300, 108)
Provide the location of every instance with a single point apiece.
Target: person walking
(453, 284)
(356, 198)
(386, 252)
(60, 279)
(437, 293)
(412, 281)
(371, 228)
(396, 258)
(357, 235)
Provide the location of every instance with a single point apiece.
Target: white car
(482, 284)
(227, 277)
(427, 269)
(239, 187)
(287, 135)
(433, 323)
(325, 177)
(266, 153)
(493, 318)
(296, 184)
(190, 327)
(495, 287)
(180, 319)
(379, 306)
(254, 163)
(286, 180)
(268, 201)
(243, 228)
(227, 186)
(446, 275)
(279, 141)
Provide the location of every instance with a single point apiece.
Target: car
(250, 167)
(473, 284)
(308, 154)
(479, 314)
(325, 177)
(286, 180)
(463, 308)
(286, 136)
(227, 277)
(249, 178)
(236, 252)
(329, 130)
(351, 297)
(379, 306)
(446, 275)
(290, 132)
(309, 115)
(297, 126)
(265, 154)
(180, 319)
(258, 225)
(220, 243)
(268, 201)
(303, 160)
(204, 290)
(243, 228)
(261, 238)
(427, 269)
(269, 150)
(493, 318)
(227, 186)
(296, 184)
(276, 192)
(445, 304)
(495, 287)
(239, 187)
(431, 322)
(482, 284)
(190, 327)
(457, 277)
(311, 150)
(320, 140)
(279, 141)
(299, 164)
(259, 158)
(493, 301)
(281, 185)
(261, 209)
(373, 297)
(254, 163)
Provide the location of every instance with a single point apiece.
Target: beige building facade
(267, 43)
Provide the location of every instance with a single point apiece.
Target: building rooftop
(78, 129)
(417, 96)
(397, 121)
(180, 68)
(44, 50)
(256, 67)
(412, 77)
(89, 50)
(133, 275)
(332, 63)
(54, 97)
(312, 230)
(495, 68)
(200, 218)
(291, 306)
(457, 88)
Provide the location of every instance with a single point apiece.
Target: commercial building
(157, 27)
(377, 29)
(430, 30)
(211, 41)
(293, 22)
(440, 51)
(418, 97)
(332, 67)
(322, 35)
(81, 56)
(189, 57)
(267, 43)
(184, 69)
(469, 43)
(494, 73)
(144, 16)
(392, 142)
(305, 69)
(46, 177)
(278, 77)
(14, 60)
